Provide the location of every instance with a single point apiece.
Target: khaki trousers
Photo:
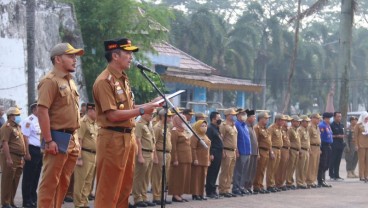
(281, 171)
(293, 161)
(314, 155)
(302, 168)
(272, 167)
(10, 178)
(261, 168)
(115, 166)
(56, 172)
(156, 174)
(142, 177)
(83, 179)
(227, 171)
(363, 162)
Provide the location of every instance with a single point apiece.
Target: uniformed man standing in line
(265, 150)
(58, 110)
(13, 151)
(351, 153)
(188, 113)
(315, 150)
(200, 116)
(338, 145)
(303, 162)
(115, 108)
(251, 172)
(86, 163)
(294, 151)
(33, 159)
(229, 153)
(143, 164)
(285, 153)
(156, 173)
(326, 141)
(275, 131)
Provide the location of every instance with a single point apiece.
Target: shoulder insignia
(174, 128)
(109, 77)
(28, 125)
(31, 118)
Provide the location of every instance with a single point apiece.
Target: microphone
(141, 67)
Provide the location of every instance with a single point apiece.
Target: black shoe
(237, 193)
(29, 205)
(339, 178)
(195, 197)
(212, 196)
(177, 200)
(131, 206)
(226, 195)
(292, 187)
(68, 199)
(245, 192)
(203, 198)
(91, 197)
(325, 185)
(271, 189)
(184, 200)
(140, 204)
(301, 187)
(150, 204)
(284, 188)
(232, 195)
(277, 189)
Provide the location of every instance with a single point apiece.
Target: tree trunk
(31, 16)
(286, 106)
(346, 25)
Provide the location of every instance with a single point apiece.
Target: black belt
(88, 150)
(69, 131)
(147, 150)
(163, 151)
(16, 154)
(263, 148)
(120, 129)
(285, 147)
(317, 145)
(306, 149)
(293, 148)
(230, 149)
(276, 147)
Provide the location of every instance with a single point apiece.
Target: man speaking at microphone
(116, 111)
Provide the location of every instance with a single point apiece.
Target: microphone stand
(167, 102)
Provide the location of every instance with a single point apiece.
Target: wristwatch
(141, 111)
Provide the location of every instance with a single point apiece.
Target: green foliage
(143, 23)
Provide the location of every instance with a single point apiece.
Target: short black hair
(213, 115)
(336, 112)
(108, 54)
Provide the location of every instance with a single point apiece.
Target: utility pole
(31, 17)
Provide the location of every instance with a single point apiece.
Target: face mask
(218, 122)
(243, 118)
(234, 118)
(289, 124)
(17, 120)
(203, 130)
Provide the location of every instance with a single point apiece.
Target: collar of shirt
(116, 73)
(90, 120)
(241, 123)
(61, 74)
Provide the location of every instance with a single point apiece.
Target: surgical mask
(243, 118)
(289, 124)
(203, 130)
(17, 120)
(218, 122)
(234, 118)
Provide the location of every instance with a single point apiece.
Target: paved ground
(348, 193)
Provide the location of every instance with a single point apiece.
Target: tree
(31, 83)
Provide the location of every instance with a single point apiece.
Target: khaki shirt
(294, 138)
(229, 135)
(304, 137)
(158, 130)
(263, 136)
(11, 133)
(58, 92)
(314, 134)
(199, 152)
(285, 137)
(276, 135)
(181, 149)
(87, 133)
(111, 91)
(360, 140)
(145, 134)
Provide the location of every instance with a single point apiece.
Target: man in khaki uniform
(158, 154)
(13, 151)
(115, 108)
(58, 110)
(315, 150)
(86, 163)
(303, 162)
(285, 152)
(265, 149)
(229, 153)
(143, 164)
(294, 151)
(275, 131)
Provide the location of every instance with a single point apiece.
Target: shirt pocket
(64, 96)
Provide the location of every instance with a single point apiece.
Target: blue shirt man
(326, 133)
(244, 146)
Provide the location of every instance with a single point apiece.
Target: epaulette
(31, 118)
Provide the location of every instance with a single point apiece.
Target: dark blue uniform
(326, 138)
(337, 149)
